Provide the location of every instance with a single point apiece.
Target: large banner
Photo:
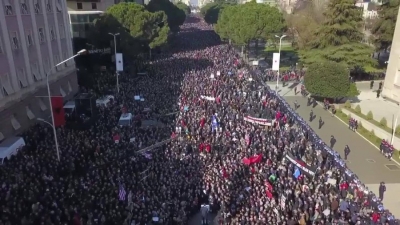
(119, 62)
(301, 165)
(57, 104)
(275, 61)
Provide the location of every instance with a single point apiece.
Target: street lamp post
(280, 46)
(115, 57)
(49, 96)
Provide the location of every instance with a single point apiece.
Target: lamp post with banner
(276, 60)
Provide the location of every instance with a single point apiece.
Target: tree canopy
(327, 79)
(245, 22)
(175, 15)
(303, 22)
(211, 11)
(136, 26)
(182, 6)
(383, 28)
(339, 38)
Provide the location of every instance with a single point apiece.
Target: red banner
(57, 104)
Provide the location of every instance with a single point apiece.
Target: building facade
(35, 35)
(90, 5)
(391, 87)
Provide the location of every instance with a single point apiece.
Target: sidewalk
(379, 132)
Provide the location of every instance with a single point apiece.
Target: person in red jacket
(201, 147)
(375, 217)
(208, 148)
(202, 122)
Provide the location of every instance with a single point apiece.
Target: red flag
(269, 194)
(224, 173)
(116, 138)
(57, 104)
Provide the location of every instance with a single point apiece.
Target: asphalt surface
(364, 159)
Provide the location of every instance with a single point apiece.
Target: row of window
(29, 113)
(30, 40)
(24, 7)
(5, 81)
(79, 5)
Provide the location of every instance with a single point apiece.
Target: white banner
(260, 121)
(275, 61)
(119, 63)
(207, 98)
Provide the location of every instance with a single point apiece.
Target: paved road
(196, 219)
(364, 159)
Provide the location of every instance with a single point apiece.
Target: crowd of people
(227, 141)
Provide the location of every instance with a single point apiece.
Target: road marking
(392, 167)
(371, 161)
(359, 134)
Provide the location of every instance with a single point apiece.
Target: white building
(34, 36)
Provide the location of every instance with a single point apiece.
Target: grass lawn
(367, 134)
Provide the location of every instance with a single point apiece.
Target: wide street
(364, 160)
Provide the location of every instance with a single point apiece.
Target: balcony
(83, 0)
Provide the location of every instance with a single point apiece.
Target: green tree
(251, 21)
(211, 11)
(383, 28)
(327, 79)
(182, 6)
(339, 38)
(175, 16)
(138, 28)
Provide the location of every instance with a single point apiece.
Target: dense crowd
(227, 141)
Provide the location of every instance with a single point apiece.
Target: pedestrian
(382, 190)
(346, 152)
(320, 123)
(371, 84)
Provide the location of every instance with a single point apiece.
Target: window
(62, 92)
(14, 40)
(29, 113)
(59, 6)
(29, 39)
(7, 89)
(94, 5)
(52, 34)
(35, 72)
(1, 46)
(8, 7)
(62, 31)
(24, 7)
(14, 122)
(41, 35)
(23, 82)
(79, 5)
(42, 106)
(48, 6)
(37, 7)
(56, 61)
(69, 87)
(66, 57)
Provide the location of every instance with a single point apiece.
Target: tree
(327, 79)
(383, 28)
(303, 22)
(138, 28)
(211, 11)
(339, 38)
(182, 6)
(251, 21)
(175, 16)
